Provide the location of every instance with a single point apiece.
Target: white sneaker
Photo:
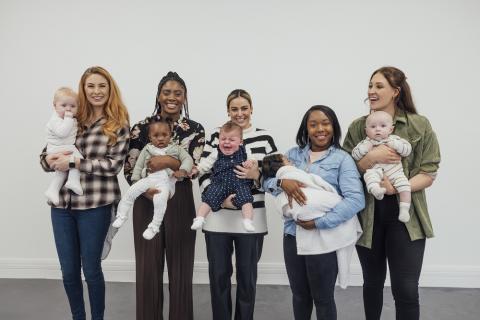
(118, 222)
(197, 223)
(248, 225)
(149, 233)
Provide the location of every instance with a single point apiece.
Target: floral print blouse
(187, 134)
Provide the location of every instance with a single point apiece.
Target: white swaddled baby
(321, 198)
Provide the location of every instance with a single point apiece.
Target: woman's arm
(113, 161)
(379, 154)
(158, 163)
(48, 162)
(417, 183)
(108, 166)
(351, 189)
(254, 172)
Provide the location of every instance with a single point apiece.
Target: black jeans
(391, 243)
(248, 250)
(312, 280)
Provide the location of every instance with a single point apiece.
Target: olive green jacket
(424, 158)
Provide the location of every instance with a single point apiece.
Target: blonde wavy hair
(115, 112)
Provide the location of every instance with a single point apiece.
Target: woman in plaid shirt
(175, 241)
(80, 222)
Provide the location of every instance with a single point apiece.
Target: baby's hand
(248, 163)
(366, 147)
(193, 173)
(180, 174)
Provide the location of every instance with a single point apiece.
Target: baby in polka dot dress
(224, 182)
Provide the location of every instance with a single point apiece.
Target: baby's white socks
(198, 223)
(373, 177)
(53, 190)
(248, 225)
(377, 191)
(151, 231)
(404, 214)
(119, 222)
(73, 181)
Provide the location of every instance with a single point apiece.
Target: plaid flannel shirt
(98, 169)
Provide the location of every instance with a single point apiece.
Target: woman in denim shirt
(312, 277)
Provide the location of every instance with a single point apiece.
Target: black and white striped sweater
(260, 143)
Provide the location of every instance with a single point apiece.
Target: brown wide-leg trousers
(176, 242)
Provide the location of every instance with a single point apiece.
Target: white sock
(197, 223)
(248, 225)
(119, 222)
(52, 196)
(378, 192)
(149, 233)
(404, 214)
(73, 182)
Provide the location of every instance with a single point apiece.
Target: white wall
(289, 55)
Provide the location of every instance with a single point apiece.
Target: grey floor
(46, 300)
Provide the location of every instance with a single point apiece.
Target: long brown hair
(115, 112)
(397, 79)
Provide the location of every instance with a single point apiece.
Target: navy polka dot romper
(224, 182)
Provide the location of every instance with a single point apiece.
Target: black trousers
(312, 280)
(391, 243)
(248, 250)
(175, 243)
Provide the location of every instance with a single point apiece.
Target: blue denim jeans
(79, 237)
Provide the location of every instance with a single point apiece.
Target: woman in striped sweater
(223, 229)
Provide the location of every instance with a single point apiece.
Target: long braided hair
(171, 76)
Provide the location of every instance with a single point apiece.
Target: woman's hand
(307, 225)
(193, 174)
(150, 193)
(158, 163)
(180, 174)
(249, 172)
(385, 183)
(293, 191)
(384, 154)
(59, 161)
(227, 203)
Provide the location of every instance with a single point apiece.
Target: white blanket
(321, 198)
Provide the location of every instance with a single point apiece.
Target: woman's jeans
(312, 281)
(79, 237)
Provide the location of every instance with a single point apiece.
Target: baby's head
(379, 125)
(160, 132)
(271, 164)
(65, 100)
(230, 138)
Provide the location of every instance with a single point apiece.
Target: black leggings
(391, 242)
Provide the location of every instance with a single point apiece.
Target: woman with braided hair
(175, 241)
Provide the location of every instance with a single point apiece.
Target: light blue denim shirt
(337, 168)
